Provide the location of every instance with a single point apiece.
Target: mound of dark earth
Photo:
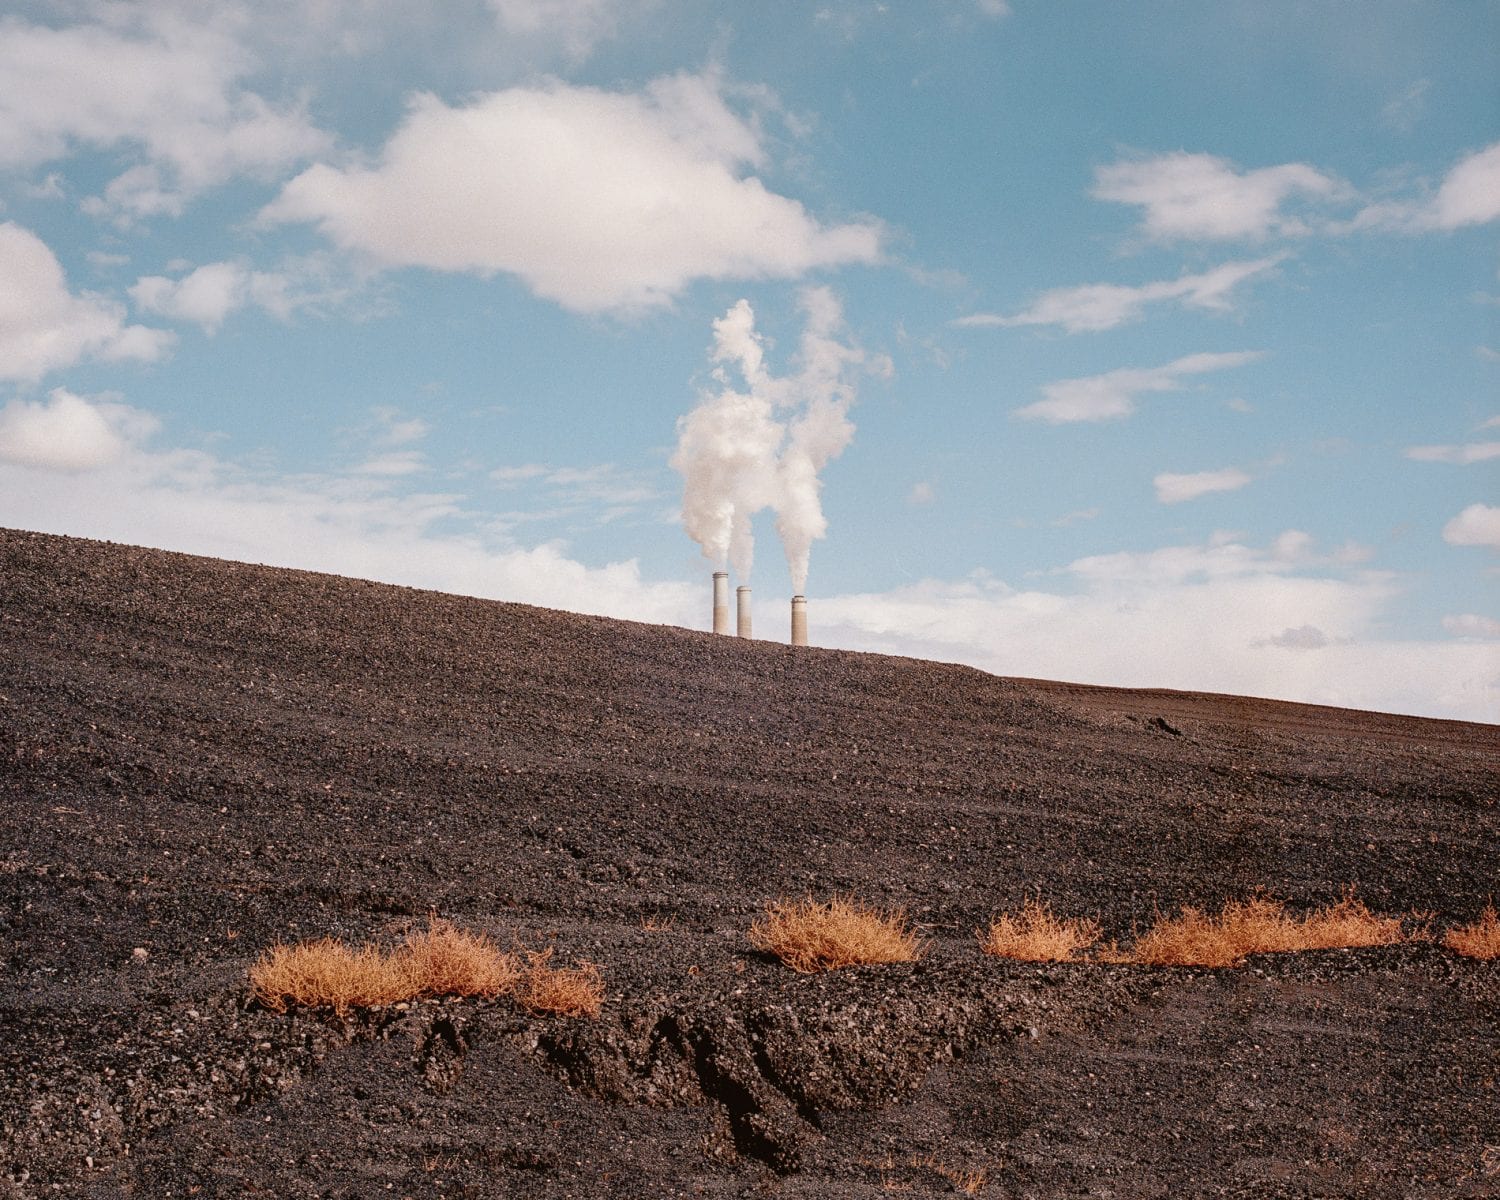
(202, 757)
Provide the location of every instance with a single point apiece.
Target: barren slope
(201, 757)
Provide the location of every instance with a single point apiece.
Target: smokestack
(799, 620)
(742, 611)
(721, 601)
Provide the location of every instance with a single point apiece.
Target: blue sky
(1150, 345)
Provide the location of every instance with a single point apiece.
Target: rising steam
(764, 447)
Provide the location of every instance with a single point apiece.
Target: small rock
(140, 954)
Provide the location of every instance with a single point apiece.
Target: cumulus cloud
(1471, 452)
(1472, 625)
(148, 81)
(68, 432)
(598, 200)
(1098, 306)
(1201, 197)
(1477, 525)
(44, 327)
(1174, 489)
(1470, 194)
(1112, 395)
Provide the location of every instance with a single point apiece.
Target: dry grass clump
(1478, 939)
(564, 991)
(1035, 935)
(440, 960)
(327, 973)
(808, 936)
(445, 961)
(1260, 925)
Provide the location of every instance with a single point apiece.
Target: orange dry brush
(566, 991)
(808, 936)
(437, 961)
(445, 961)
(1479, 939)
(328, 973)
(1035, 935)
(1257, 926)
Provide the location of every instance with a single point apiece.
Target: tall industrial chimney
(799, 620)
(721, 602)
(742, 612)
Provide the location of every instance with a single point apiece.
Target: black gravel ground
(203, 757)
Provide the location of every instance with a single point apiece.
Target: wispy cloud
(1402, 111)
(579, 25)
(1468, 195)
(1098, 306)
(1175, 489)
(1470, 452)
(207, 295)
(1201, 197)
(1112, 395)
(585, 496)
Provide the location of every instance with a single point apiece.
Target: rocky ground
(202, 757)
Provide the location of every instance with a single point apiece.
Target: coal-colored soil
(202, 757)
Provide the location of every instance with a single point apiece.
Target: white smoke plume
(742, 451)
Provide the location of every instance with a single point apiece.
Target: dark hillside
(202, 757)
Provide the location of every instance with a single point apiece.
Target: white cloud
(169, 88)
(1112, 395)
(1470, 195)
(393, 463)
(1472, 625)
(1471, 452)
(597, 200)
(921, 493)
(44, 327)
(68, 432)
(1477, 525)
(1174, 489)
(1097, 306)
(208, 294)
(1203, 197)
(395, 430)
